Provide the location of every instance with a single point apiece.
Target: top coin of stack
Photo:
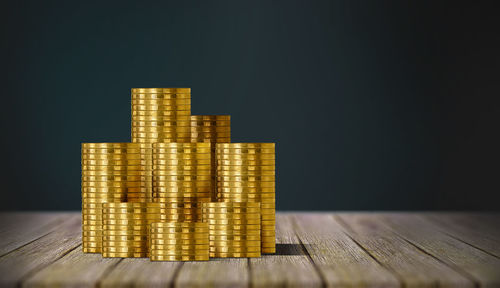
(234, 227)
(172, 241)
(161, 115)
(246, 172)
(109, 172)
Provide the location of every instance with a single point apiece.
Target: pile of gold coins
(234, 228)
(246, 173)
(180, 191)
(181, 241)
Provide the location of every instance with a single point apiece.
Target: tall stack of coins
(179, 241)
(211, 129)
(125, 228)
(161, 115)
(246, 173)
(182, 174)
(109, 172)
(234, 228)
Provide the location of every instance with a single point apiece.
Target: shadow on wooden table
(289, 249)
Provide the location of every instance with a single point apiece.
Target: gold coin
(232, 249)
(90, 239)
(110, 184)
(179, 247)
(171, 230)
(146, 217)
(178, 236)
(181, 189)
(201, 175)
(160, 134)
(268, 233)
(153, 107)
(246, 168)
(234, 255)
(234, 237)
(231, 205)
(241, 157)
(162, 91)
(182, 200)
(179, 205)
(166, 102)
(114, 190)
(179, 258)
(91, 250)
(92, 233)
(235, 232)
(136, 156)
(126, 244)
(210, 117)
(263, 197)
(166, 152)
(139, 211)
(245, 179)
(238, 228)
(124, 238)
(245, 151)
(124, 255)
(247, 146)
(111, 151)
(233, 243)
(232, 216)
(213, 130)
(140, 232)
(124, 205)
(198, 241)
(108, 145)
(175, 225)
(166, 165)
(246, 190)
(246, 162)
(245, 184)
(117, 173)
(162, 129)
(181, 146)
(126, 162)
(173, 114)
(231, 210)
(173, 171)
(184, 183)
(232, 221)
(162, 158)
(127, 222)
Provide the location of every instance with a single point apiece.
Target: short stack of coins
(109, 172)
(211, 129)
(179, 241)
(125, 228)
(234, 228)
(182, 173)
(161, 115)
(246, 173)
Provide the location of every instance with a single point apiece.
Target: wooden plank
(478, 230)
(75, 269)
(141, 272)
(414, 268)
(462, 257)
(40, 253)
(290, 267)
(229, 272)
(19, 228)
(340, 261)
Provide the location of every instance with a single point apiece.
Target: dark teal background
(373, 104)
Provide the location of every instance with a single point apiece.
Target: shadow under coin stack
(161, 115)
(182, 175)
(234, 228)
(172, 241)
(125, 228)
(211, 129)
(109, 171)
(246, 173)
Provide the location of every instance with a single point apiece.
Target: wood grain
(341, 262)
(18, 229)
(413, 267)
(472, 228)
(73, 270)
(141, 272)
(218, 272)
(290, 267)
(40, 253)
(480, 266)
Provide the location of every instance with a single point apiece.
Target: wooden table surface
(315, 249)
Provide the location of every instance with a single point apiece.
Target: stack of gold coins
(109, 172)
(161, 115)
(234, 228)
(182, 172)
(178, 241)
(125, 228)
(145, 193)
(211, 128)
(246, 172)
